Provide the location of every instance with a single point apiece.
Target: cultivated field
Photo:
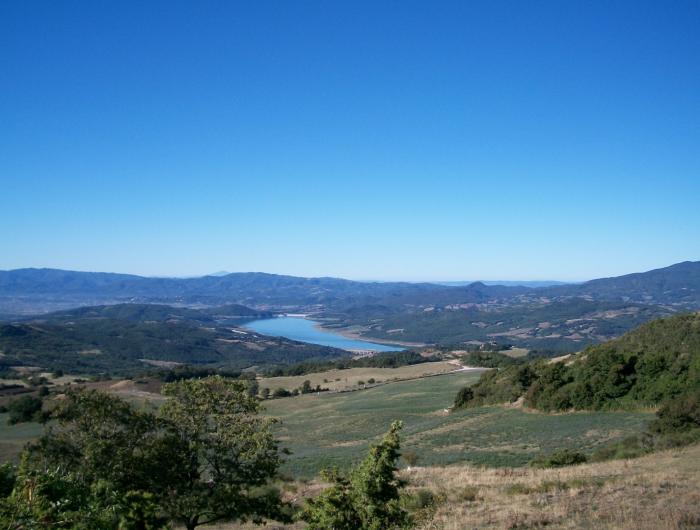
(349, 379)
(14, 437)
(335, 429)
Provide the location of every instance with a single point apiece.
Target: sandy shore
(348, 334)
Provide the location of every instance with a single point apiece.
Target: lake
(305, 330)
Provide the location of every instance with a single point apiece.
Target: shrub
(464, 396)
(419, 500)
(678, 415)
(468, 494)
(562, 458)
(281, 392)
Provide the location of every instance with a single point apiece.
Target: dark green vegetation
(204, 456)
(368, 498)
(24, 409)
(551, 318)
(565, 457)
(333, 429)
(127, 338)
(380, 360)
(154, 313)
(658, 361)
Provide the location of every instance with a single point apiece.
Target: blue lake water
(304, 330)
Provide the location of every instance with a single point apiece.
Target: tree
(281, 392)
(102, 438)
(230, 452)
(253, 387)
(205, 456)
(24, 409)
(367, 499)
(265, 393)
(306, 387)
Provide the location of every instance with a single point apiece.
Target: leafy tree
(230, 454)
(366, 499)
(281, 392)
(102, 438)
(205, 456)
(56, 498)
(24, 409)
(306, 387)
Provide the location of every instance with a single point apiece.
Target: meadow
(335, 429)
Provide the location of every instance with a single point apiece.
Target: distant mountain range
(39, 290)
(553, 316)
(511, 283)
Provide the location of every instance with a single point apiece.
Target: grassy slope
(334, 429)
(657, 492)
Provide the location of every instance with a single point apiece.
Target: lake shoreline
(303, 328)
(354, 335)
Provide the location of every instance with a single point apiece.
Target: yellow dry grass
(656, 492)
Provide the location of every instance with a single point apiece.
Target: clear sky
(368, 140)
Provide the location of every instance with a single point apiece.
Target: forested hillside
(114, 346)
(659, 361)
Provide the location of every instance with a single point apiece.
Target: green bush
(24, 409)
(366, 499)
(678, 415)
(562, 458)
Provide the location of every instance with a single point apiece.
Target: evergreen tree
(367, 499)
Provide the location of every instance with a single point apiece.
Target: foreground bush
(368, 498)
(205, 456)
(561, 458)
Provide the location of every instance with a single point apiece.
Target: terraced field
(335, 429)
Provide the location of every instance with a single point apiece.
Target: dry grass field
(657, 492)
(348, 379)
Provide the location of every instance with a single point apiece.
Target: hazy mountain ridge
(677, 285)
(556, 318)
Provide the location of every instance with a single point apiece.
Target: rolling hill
(656, 362)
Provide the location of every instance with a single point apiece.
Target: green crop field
(14, 437)
(335, 429)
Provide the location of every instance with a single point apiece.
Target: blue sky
(368, 140)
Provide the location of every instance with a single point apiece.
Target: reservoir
(304, 330)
